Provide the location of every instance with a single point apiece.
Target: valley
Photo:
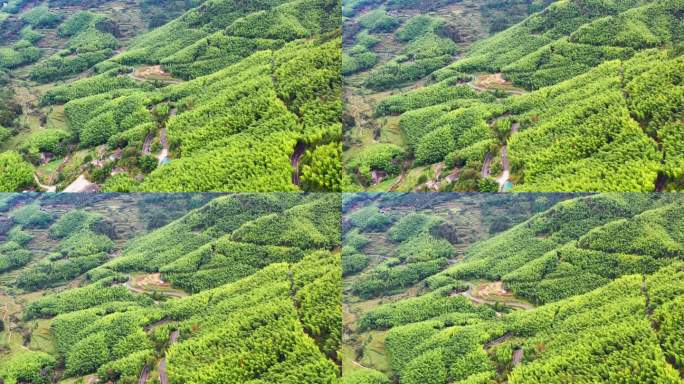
(515, 95)
(182, 96)
(566, 286)
(95, 288)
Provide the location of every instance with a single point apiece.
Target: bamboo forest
(170, 96)
(341, 191)
(513, 288)
(103, 288)
(514, 95)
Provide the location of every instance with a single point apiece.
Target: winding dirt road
(300, 148)
(144, 374)
(47, 188)
(80, 185)
(505, 164)
(487, 165)
(163, 377)
(164, 154)
(147, 145)
(506, 174)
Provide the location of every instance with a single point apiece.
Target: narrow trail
(452, 176)
(404, 168)
(505, 164)
(147, 145)
(52, 188)
(506, 174)
(164, 154)
(487, 165)
(296, 157)
(5, 320)
(359, 364)
(434, 184)
(163, 377)
(47, 188)
(517, 356)
(497, 341)
(81, 184)
(144, 374)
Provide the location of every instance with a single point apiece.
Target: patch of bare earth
(495, 80)
(153, 279)
(154, 72)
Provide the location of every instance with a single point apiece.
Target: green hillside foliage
(604, 112)
(31, 216)
(290, 301)
(33, 367)
(360, 57)
(197, 228)
(18, 54)
(16, 173)
(71, 222)
(426, 51)
(379, 157)
(41, 17)
(365, 377)
(605, 269)
(557, 21)
(239, 87)
(50, 140)
(555, 339)
(614, 147)
(279, 302)
(370, 219)
(263, 114)
(434, 304)
(596, 132)
(573, 248)
(91, 40)
(422, 252)
(12, 255)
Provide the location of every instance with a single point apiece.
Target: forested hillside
(589, 289)
(228, 289)
(142, 95)
(571, 95)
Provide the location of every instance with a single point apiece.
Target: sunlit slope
(589, 288)
(228, 96)
(579, 96)
(94, 309)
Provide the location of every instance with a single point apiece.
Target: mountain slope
(83, 301)
(581, 96)
(246, 95)
(605, 270)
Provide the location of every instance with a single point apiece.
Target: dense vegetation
(223, 97)
(233, 306)
(579, 96)
(606, 271)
